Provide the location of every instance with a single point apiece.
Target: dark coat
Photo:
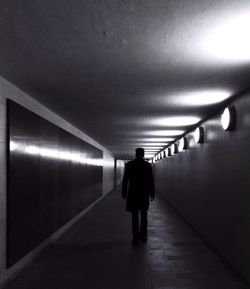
(138, 185)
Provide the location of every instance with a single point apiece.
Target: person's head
(139, 153)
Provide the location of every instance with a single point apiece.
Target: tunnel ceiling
(119, 69)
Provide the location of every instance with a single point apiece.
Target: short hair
(139, 152)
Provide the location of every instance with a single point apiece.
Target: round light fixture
(182, 144)
(228, 118)
(199, 135)
(166, 153)
(174, 149)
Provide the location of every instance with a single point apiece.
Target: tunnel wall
(209, 186)
(51, 177)
(119, 172)
(9, 91)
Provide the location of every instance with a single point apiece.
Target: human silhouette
(137, 188)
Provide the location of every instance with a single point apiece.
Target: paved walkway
(97, 254)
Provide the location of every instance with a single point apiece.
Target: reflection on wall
(52, 176)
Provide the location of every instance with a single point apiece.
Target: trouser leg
(144, 224)
(135, 224)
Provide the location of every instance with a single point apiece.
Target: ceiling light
(153, 147)
(147, 156)
(228, 118)
(229, 40)
(199, 135)
(152, 144)
(166, 132)
(200, 98)
(177, 121)
(159, 139)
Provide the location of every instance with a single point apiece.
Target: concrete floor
(97, 254)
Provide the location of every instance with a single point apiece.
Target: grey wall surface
(7, 90)
(209, 185)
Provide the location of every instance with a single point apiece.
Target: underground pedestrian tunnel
(85, 83)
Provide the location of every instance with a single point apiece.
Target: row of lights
(228, 119)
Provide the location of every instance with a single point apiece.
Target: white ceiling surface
(120, 69)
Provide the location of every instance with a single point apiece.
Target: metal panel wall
(52, 176)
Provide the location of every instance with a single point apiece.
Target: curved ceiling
(119, 70)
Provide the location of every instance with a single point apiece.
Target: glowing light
(182, 144)
(177, 121)
(13, 146)
(32, 150)
(148, 144)
(199, 135)
(64, 155)
(159, 139)
(200, 98)
(230, 40)
(167, 133)
(168, 152)
(228, 118)
(94, 162)
(49, 153)
(173, 149)
(55, 153)
(225, 119)
(147, 156)
(153, 147)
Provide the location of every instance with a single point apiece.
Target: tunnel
(84, 84)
